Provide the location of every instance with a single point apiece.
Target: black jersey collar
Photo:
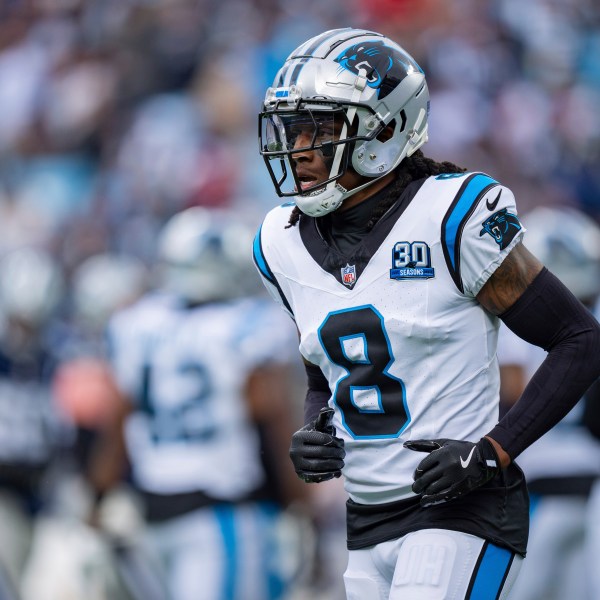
(315, 231)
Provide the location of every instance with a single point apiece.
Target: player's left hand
(452, 469)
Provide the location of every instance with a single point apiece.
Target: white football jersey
(186, 371)
(408, 351)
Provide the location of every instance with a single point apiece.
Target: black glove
(315, 451)
(452, 469)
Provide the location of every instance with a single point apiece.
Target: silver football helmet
(568, 242)
(105, 283)
(31, 285)
(205, 255)
(345, 86)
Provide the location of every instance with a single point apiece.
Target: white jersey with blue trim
(408, 351)
(185, 370)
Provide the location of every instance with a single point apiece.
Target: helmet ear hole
(403, 122)
(388, 132)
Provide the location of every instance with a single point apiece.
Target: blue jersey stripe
(275, 583)
(261, 263)
(226, 519)
(453, 224)
(259, 258)
(491, 573)
(461, 208)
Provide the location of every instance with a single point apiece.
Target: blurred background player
(562, 466)
(591, 419)
(205, 373)
(68, 557)
(83, 385)
(101, 285)
(33, 436)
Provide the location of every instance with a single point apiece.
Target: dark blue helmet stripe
(319, 40)
(296, 71)
(306, 54)
(281, 77)
(462, 207)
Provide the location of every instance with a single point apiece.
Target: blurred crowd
(117, 115)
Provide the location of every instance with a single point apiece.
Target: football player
(397, 271)
(33, 435)
(562, 466)
(204, 371)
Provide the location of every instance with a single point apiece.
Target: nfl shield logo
(349, 275)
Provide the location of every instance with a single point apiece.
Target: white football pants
(220, 552)
(432, 564)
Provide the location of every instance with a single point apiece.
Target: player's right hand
(317, 454)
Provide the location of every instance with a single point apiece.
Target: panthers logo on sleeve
(502, 226)
(382, 63)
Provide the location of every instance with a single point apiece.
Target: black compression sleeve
(318, 393)
(548, 315)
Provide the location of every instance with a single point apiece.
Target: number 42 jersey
(185, 369)
(396, 329)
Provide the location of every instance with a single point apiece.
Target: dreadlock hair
(410, 169)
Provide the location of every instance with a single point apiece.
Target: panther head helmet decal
(384, 65)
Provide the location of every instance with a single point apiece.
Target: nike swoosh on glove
(452, 469)
(317, 454)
